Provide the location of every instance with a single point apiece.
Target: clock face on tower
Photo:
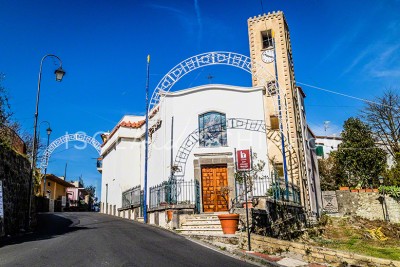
(268, 56)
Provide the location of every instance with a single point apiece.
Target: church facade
(193, 135)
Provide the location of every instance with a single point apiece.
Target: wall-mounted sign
(243, 160)
(1, 200)
(329, 202)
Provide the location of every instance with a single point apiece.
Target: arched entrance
(230, 59)
(279, 138)
(81, 137)
(192, 139)
(208, 59)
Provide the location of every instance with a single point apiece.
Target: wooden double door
(213, 177)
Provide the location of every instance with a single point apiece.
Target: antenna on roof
(326, 126)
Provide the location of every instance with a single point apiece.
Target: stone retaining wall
(278, 219)
(15, 175)
(367, 205)
(309, 253)
(11, 138)
(158, 215)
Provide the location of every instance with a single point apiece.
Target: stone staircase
(201, 224)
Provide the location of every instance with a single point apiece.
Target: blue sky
(347, 46)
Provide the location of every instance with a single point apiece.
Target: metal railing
(272, 187)
(173, 192)
(259, 188)
(131, 197)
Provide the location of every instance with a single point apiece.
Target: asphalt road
(93, 239)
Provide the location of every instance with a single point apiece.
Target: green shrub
(393, 191)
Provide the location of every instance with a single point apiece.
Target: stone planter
(229, 223)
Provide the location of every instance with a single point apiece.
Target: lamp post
(48, 130)
(59, 75)
(386, 214)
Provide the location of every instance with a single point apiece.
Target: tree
(330, 173)
(5, 109)
(256, 173)
(384, 120)
(7, 121)
(91, 190)
(392, 175)
(358, 154)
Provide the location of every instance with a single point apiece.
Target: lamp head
(380, 179)
(59, 74)
(49, 130)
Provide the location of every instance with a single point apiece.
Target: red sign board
(243, 160)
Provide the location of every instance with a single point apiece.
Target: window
(279, 169)
(267, 40)
(320, 151)
(212, 129)
(48, 184)
(274, 122)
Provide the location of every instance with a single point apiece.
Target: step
(201, 222)
(203, 217)
(199, 231)
(205, 224)
(201, 227)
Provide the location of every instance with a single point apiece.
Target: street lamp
(59, 75)
(386, 214)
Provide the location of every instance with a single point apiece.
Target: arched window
(212, 129)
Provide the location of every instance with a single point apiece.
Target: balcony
(100, 165)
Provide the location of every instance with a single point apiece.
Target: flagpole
(285, 173)
(146, 153)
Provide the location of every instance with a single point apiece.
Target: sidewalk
(260, 259)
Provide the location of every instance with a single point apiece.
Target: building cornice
(210, 87)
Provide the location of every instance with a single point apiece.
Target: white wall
(329, 144)
(186, 105)
(123, 162)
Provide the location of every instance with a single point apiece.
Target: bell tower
(272, 66)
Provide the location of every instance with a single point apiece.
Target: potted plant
(230, 222)
(169, 215)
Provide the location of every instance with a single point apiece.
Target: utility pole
(65, 171)
(146, 152)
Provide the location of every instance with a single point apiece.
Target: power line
(345, 95)
(262, 6)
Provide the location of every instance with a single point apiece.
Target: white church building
(193, 134)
